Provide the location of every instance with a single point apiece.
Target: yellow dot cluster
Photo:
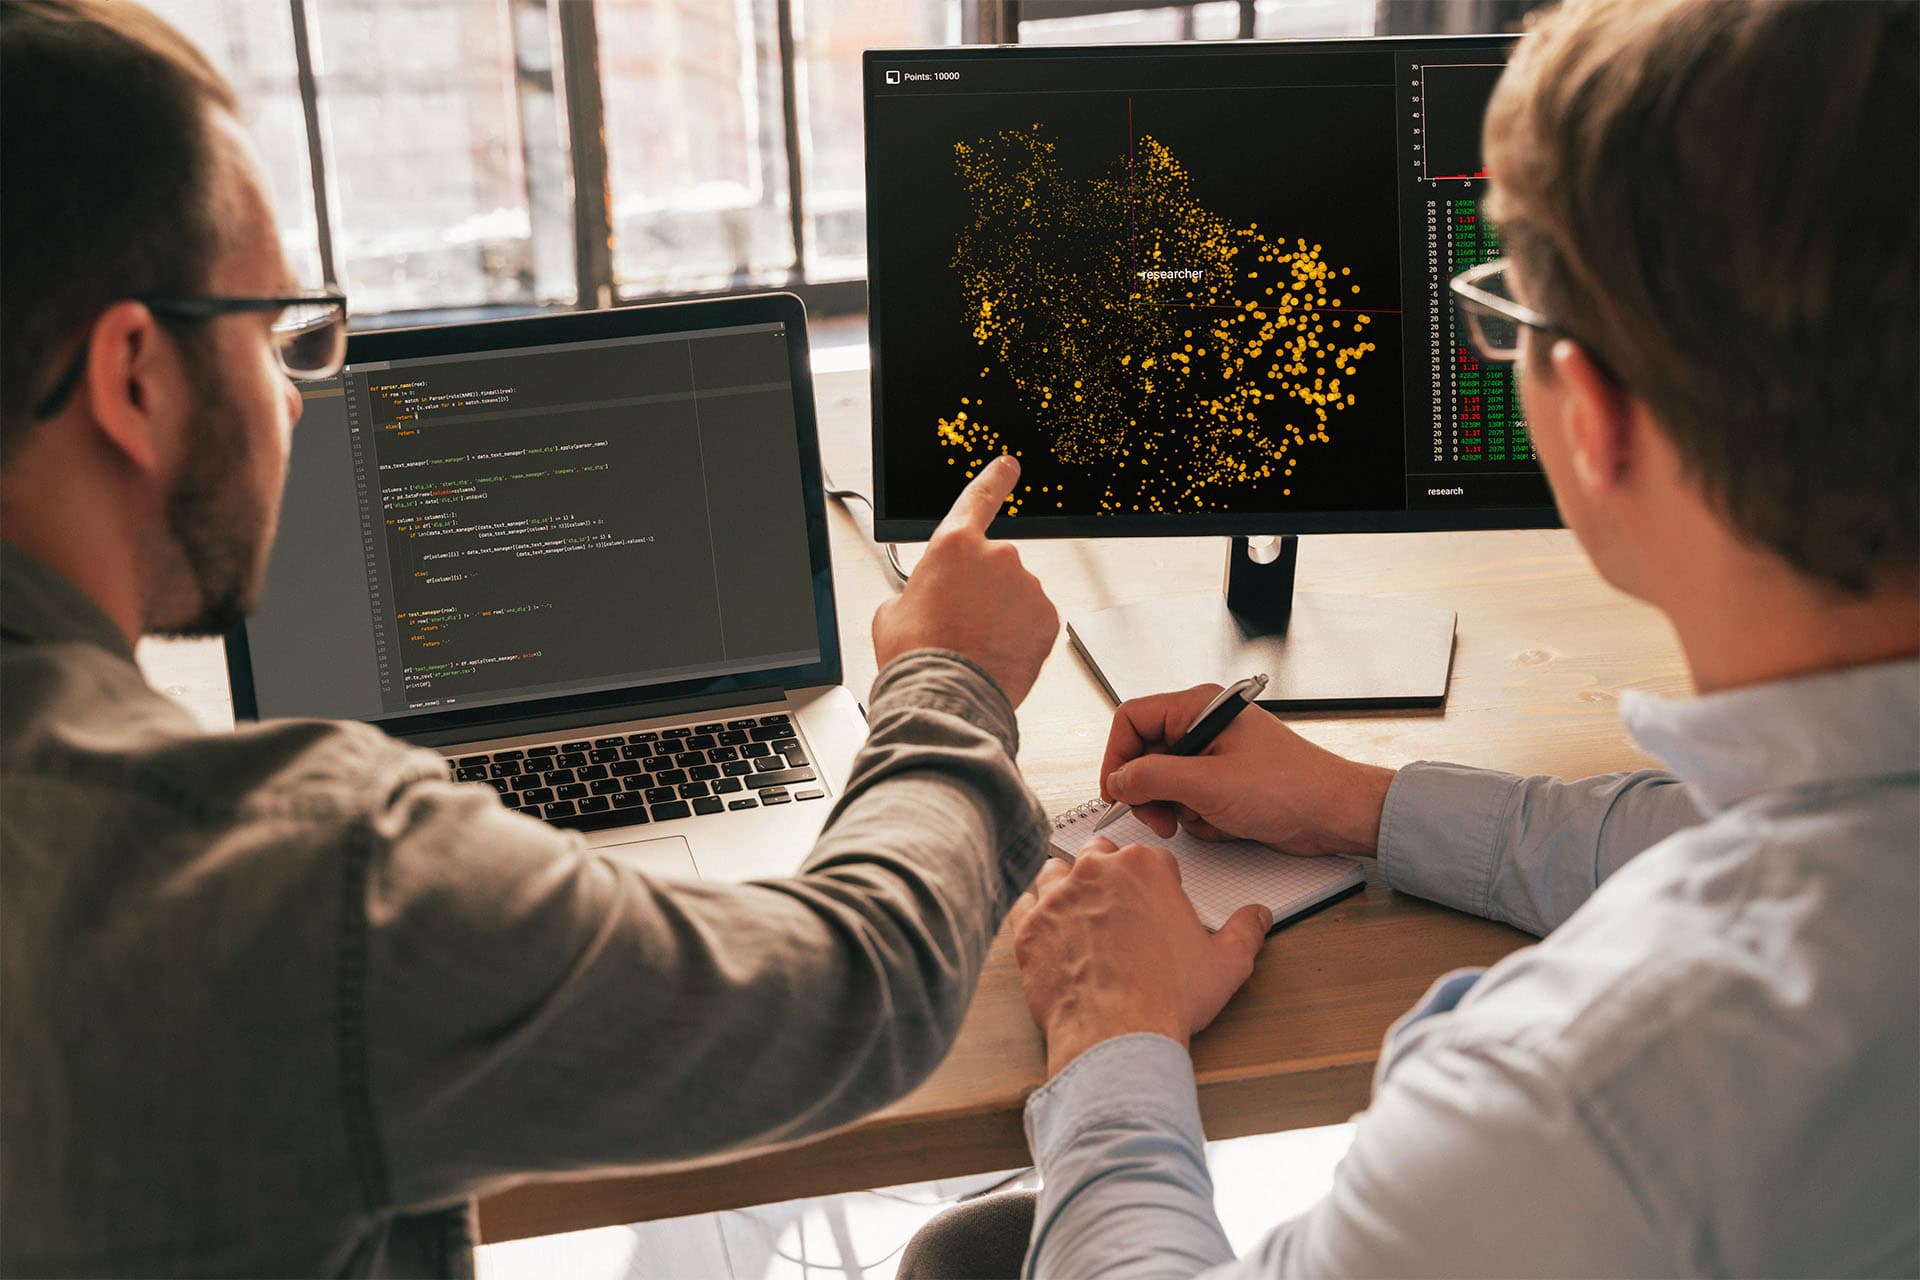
(1168, 390)
(973, 442)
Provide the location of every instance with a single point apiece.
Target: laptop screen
(540, 521)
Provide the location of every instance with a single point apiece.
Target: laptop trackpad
(657, 856)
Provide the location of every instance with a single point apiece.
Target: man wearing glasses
(279, 1001)
(1708, 1065)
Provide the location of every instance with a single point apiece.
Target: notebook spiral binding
(1075, 814)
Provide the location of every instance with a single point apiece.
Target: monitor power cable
(849, 496)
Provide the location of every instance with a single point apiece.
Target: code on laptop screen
(470, 529)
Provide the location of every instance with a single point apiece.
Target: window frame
(575, 26)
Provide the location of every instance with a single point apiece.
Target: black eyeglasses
(309, 335)
(1494, 319)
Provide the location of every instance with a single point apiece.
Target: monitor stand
(1320, 652)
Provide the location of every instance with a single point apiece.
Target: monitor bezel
(891, 528)
(627, 701)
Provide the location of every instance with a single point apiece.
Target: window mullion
(790, 130)
(587, 141)
(316, 149)
(538, 112)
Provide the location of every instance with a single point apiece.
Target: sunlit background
(453, 158)
(444, 156)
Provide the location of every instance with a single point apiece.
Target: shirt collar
(38, 604)
(1861, 722)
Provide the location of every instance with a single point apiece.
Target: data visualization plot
(1452, 105)
(1155, 323)
(1190, 291)
(1166, 356)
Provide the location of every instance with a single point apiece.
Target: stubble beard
(220, 528)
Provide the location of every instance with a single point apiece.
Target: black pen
(1208, 725)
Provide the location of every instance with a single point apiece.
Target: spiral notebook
(1221, 876)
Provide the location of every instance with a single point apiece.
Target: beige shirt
(280, 1001)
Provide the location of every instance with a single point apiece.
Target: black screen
(465, 530)
(1195, 290)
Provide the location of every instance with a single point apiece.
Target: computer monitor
(1197, 289)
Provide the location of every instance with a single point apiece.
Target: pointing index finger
(984, 495)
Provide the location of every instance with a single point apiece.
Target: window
(505, 155)
(1141, 21)
(829, 36)
(423, 140)
(696, 161)
(253, 45)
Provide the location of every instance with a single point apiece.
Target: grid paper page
(1220, 877)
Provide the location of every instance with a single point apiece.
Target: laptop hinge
(519, 726)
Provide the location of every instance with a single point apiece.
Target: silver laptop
(584, 557)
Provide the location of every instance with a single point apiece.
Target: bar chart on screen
(1451, 104)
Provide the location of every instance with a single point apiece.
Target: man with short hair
(1709, 1064)
(281, 1001)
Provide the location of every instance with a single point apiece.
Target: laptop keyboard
(660, 775)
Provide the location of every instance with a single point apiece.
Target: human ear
(1598, 416)
(134, 385)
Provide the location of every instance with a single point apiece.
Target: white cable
(854, 495)
(939, 1202)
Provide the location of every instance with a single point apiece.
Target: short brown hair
(105, 167)
(1718, 198)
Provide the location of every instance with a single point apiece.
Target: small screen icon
(893, 77)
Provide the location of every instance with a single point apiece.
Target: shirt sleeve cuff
(1128, 1079)
(942, 680)
(1440, 832)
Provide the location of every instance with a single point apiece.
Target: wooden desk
(1542, 653)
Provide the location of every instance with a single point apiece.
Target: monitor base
(1328, 651)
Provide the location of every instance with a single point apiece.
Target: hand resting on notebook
(1259, 780)
(1109, 945)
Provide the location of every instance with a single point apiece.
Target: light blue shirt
(1710, 1065)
